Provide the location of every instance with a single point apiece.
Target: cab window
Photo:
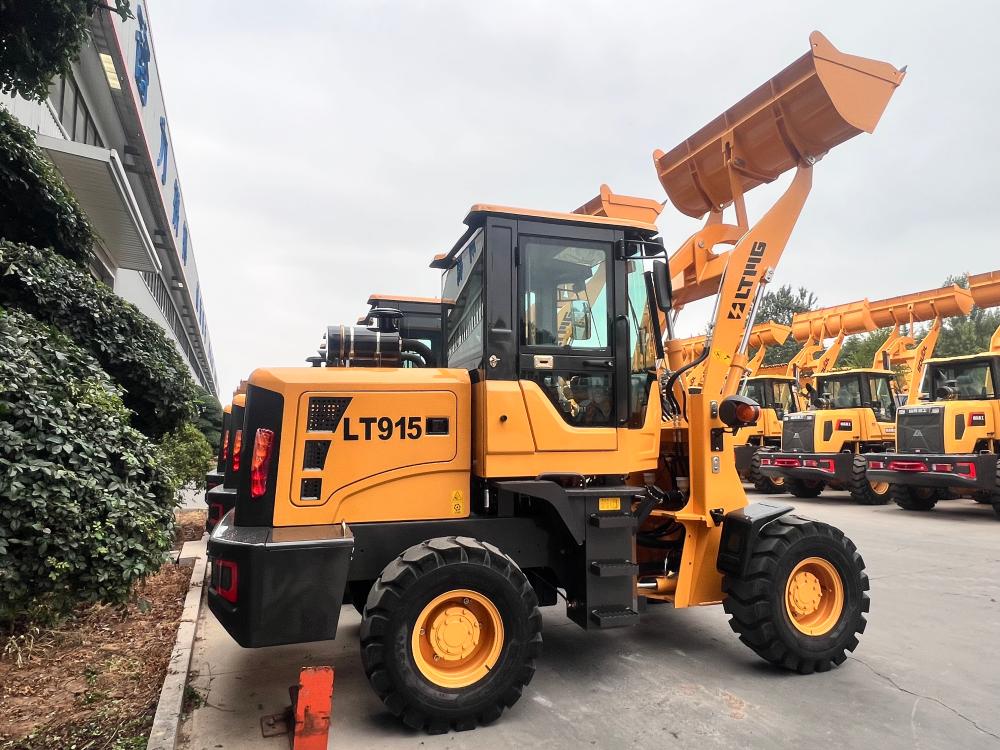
(965, 381)
(753, 389)
(842, 393)
(782, 398)
(883, 401)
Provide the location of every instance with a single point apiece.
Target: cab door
(566, 308)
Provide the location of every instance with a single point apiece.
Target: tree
(859, 350)
(779, 306)
(209, 417)
(40, 38)
(970, 334)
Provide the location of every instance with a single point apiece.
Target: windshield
(754, 389)
(961, 381)
(840, 392)
(782, 397)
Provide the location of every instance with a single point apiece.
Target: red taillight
(225, 446)
(966, 469)
(876, 464)
(789, 462)
(845, 425)
(826, 464)
(237, 447)
(226, 580)
(260, 463)
(915, 466)
(766, 462)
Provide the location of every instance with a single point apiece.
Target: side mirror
(579, 318)
(661, 284)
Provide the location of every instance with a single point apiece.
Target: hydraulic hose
(420, 348)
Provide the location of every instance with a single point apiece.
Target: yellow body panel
(375, 472)
(864, 428)
(972, 435)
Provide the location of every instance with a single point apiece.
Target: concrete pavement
(926, 675)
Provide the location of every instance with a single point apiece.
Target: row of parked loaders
(913, 428)
(554, 445)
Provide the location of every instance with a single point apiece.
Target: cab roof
(476, 217)
(856, 371)
(963, 357)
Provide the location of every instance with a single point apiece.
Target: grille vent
(315, 454)
(325, 413)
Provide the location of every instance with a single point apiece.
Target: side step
(608, 617)
(609, 568)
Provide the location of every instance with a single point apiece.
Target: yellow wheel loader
(553, 454)
(947, 437)
(854, 411)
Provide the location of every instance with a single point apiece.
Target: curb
(163, 735)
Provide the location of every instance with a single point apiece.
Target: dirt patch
(93, 682)
(190, 526)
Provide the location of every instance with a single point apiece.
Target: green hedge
(39, 38)
(130, 347)
(87, 505)
(36, 207)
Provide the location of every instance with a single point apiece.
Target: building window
(72, 111)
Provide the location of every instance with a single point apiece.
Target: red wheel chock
(307, 720)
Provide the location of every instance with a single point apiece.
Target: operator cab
(972, 378)
(563, 301)
(772, 393)
(856, 389)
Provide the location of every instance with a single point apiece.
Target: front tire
(802, 602)
(761, 483)
(450, 634)
(804, 488)
(913, 498)
(864, 492)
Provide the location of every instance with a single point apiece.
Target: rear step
(612, 617)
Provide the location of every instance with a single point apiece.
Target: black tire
(913, 498)
(991, 497)
(761, 483)
(357, 592)
(406, 585)
(805, 487)
(757, 606)
(862, 491)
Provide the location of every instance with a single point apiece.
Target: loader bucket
(946, 302)
(854, 317)
(985, 288)
(769, 334)
(819, 101)
(614, 206)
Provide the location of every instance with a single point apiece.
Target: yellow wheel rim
(778, 481)
(814, 596)
(457, 638)
(879, 488)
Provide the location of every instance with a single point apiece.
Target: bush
(186, 455)
(38, 40)
(130, 347)
(36, 207)
(87, 507)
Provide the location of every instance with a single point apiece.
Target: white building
(106, 129)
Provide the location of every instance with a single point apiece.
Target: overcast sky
(328, 149)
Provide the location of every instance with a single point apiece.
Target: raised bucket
(819, 101)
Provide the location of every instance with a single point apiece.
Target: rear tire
(761, 483)
(804, 487)
(913, 498)
(862, 491)
(803, 600)
(450, 634)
